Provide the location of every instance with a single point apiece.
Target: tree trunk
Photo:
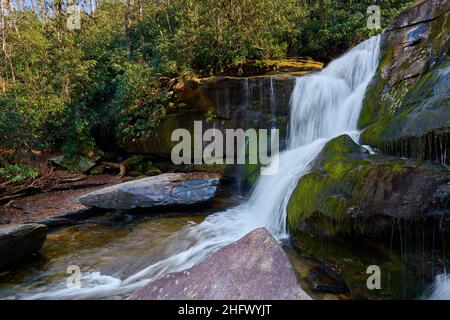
(141, 27)
(91, 6)
(128, 26)
(4, 44)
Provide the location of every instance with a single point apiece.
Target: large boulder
(254, 267)
(406, 110)
(349, 192)
(18, 241)
(169, 189)
(225, 103)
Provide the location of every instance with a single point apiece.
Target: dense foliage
(330, 26)
(59, 83)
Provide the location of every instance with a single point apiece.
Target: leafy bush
(141, 102)
(330, 27)
(214, 34)
(16, 173)
(57, 84)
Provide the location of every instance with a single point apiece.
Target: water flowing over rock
(223, 103)
(349, 191)
(254, 267)
(266, 206)
(170, 189)
(228, 102)
(440, 289)
(406, 107)
(18, 241)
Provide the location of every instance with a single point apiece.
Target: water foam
(323, 105)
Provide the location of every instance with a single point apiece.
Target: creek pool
(109, 248)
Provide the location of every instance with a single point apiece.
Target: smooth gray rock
(81, 165)
(70, 218)
(254, 267)
(18, 241)
(169, 189)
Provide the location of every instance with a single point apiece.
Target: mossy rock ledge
(406, 109)
(221, 103)
(349, 192)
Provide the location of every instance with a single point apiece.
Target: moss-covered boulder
(260, 102)
(222, 103)
(406, 110)
(293, 66)
(349, 192)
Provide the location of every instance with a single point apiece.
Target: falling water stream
(323, 105)
(440, 289)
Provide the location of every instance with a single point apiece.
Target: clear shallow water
(118, 254)
(105, 250)
(323, 105)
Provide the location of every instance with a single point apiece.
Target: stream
(118, 253)
(323, 105)
(106, 248)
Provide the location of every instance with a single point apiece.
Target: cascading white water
(324, 105)
(327, 104)
(440, 289)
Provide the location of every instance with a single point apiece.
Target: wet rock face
(254, 267)
(223, 103)
(406, 107)
(259, 101)
(164, 190)
(349, 192)
(18, 241)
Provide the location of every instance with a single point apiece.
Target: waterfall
(323, 105)
(273, 104)
(440, 289)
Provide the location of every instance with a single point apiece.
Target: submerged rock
(254, 267)
(327, 279)
(169, 189)
(18, 241)
(406, 110)
(350, 192)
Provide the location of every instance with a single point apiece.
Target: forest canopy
(61, 78)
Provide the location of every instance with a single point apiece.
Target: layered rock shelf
(170, 189)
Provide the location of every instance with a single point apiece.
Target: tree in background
(59, 86)
(330, 27)
(214, 34)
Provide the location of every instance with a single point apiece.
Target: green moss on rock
(352, 258)
(294, 66)
(351, 192)
(406, 106)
